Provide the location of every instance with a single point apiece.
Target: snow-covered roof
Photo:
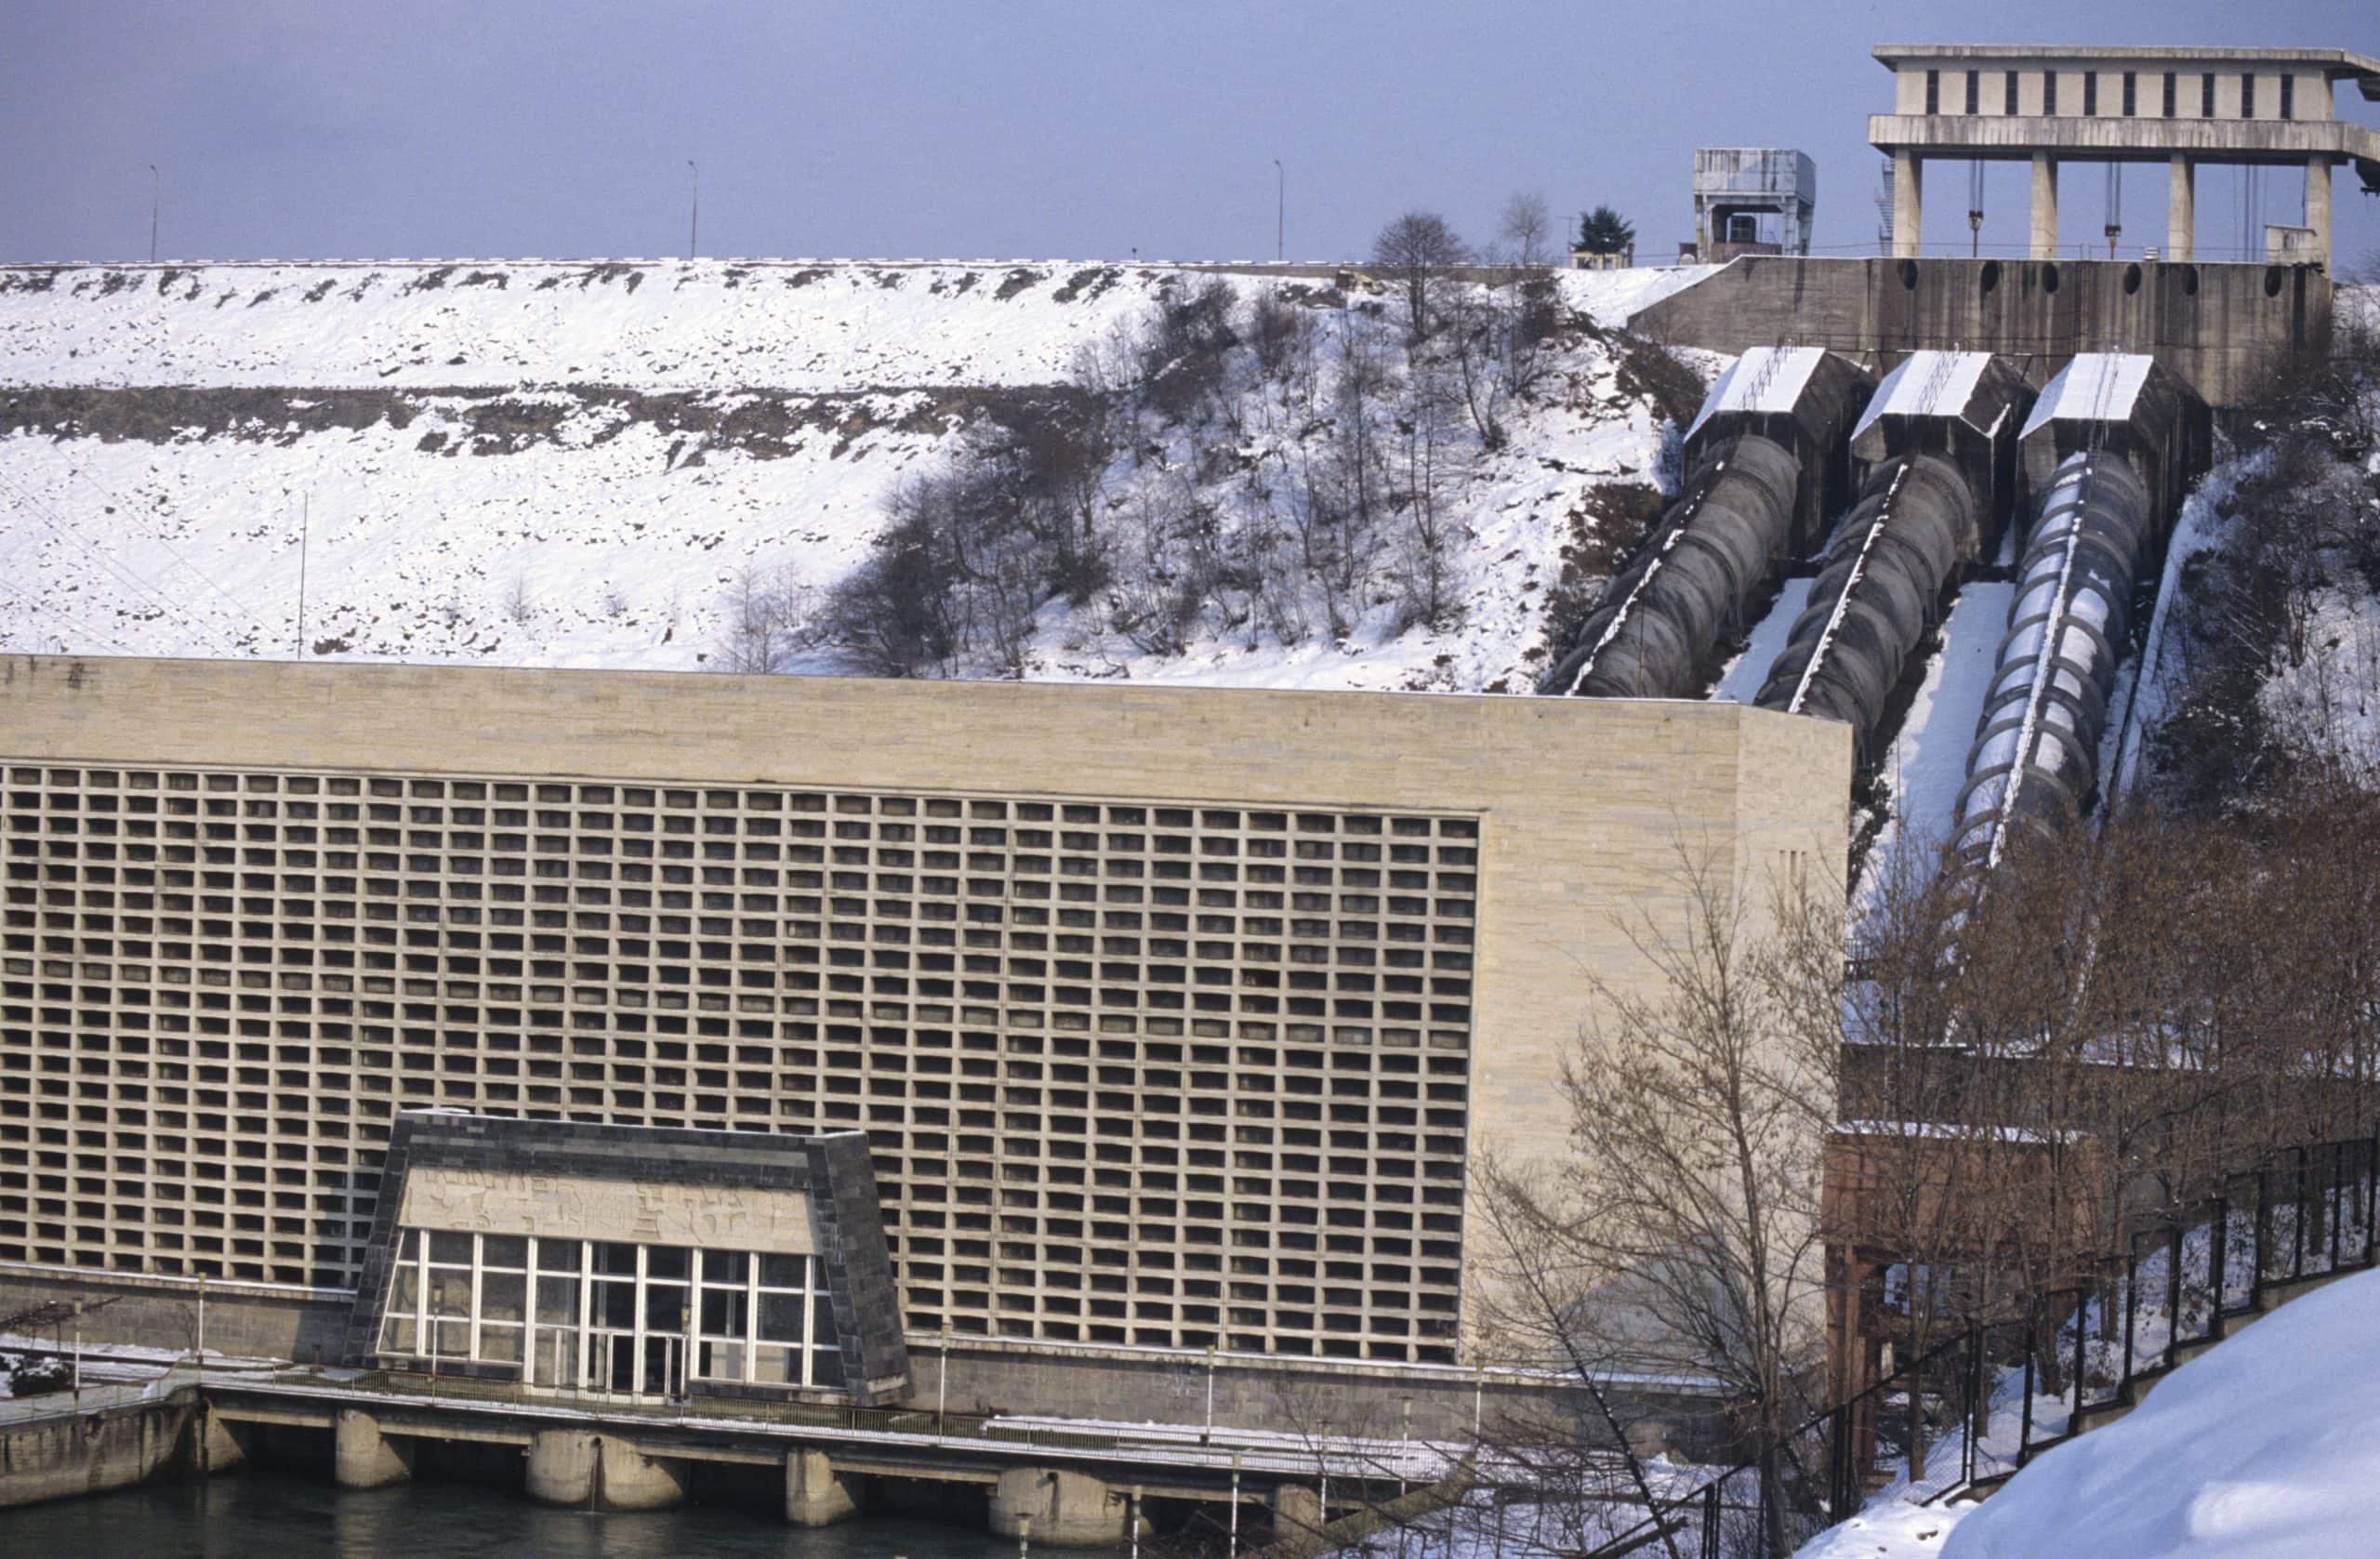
(2095, 387)
(1763, 380)
(1926, 384)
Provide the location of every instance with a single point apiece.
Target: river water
(265, 1514)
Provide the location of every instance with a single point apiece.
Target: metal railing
(1975, 1407)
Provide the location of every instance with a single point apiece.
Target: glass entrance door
(665, 1365)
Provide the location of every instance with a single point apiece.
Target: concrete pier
(364, 1457)
(1296, 1509)
(1068, 1509)
(2181, 211)
(601, 1472)
(815, 1495)
(2044, 228)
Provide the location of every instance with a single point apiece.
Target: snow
(2264, 1445)
(1925, 384)
(1888, 1531)
(1741, 683)
(1765, 379)
(1612, 297)
(531, 463)
(1928, 762)
(788, 324)
(2095, 386)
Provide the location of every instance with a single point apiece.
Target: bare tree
(1685, 1215)
(1418, 249)
(1525, 231)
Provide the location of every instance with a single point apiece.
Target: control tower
(1751, 200)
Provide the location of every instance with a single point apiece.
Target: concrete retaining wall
(66, 1455)
(246, 1319)
(2218, 326)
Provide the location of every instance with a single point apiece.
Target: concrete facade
(1172, 1018)
(2218, 326)
(2184, 107)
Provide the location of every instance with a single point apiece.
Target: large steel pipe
(2036, 753)
(1875, 595)
(1662, 617)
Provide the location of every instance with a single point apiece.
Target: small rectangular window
(2009, 96)
(1974, 93)
(2049, 92)
(2206, 95)
(2247, 95)
(2131, 102)
(2090, 94)
(2169, 94)
(1933, 92)
(2289, 97)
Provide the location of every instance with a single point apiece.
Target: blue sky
(1021, 127)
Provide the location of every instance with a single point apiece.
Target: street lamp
(1281, 211)
(694, 211)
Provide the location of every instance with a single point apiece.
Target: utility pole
(305, 530)
(694, 212)
(156, 198)
(1281, 211)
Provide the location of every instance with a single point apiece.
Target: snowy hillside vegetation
(659, 464)
(2270, 667)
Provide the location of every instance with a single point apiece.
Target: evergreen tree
(1605, 231)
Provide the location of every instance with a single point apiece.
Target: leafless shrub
(771, 617)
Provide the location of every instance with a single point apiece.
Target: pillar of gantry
(2044, 206)
(1909, 187)
(2181, 210)
(2317, 207)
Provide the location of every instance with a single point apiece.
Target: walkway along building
(1172, 1019)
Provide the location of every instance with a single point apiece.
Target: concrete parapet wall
(2218, 326)
(1292, 1394)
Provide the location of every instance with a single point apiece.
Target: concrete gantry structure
(1753, 201)
(2183, 107)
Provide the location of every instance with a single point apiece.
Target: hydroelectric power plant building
(1070, 1031)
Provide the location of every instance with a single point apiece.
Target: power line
(122, 572)
(174, 552)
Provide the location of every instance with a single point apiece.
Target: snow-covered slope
(2266, 1446)
(548, 463)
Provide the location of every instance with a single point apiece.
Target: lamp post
(694, 210)
(156, 198)
(1232, 1544)
(1404, 1446)
(1281, 211)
